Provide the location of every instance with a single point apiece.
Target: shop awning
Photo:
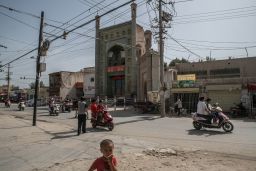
(79, 85)
(251, 86)
(228, 87)
(185, 90)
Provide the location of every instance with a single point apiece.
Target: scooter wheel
(110, 126)
(197, 125)
(228, 127)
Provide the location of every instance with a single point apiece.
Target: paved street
(55, 139)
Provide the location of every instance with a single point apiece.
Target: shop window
(225, 73)
(254, 100)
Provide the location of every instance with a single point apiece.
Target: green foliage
(32, 85)
(175, 61)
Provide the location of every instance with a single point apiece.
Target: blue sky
(221, 28)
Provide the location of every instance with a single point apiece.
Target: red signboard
(116, 68)
(118, 77)
(251, 86)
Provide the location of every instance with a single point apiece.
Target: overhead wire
(22, 22)
(184, 47)
(86, 23)
(217, 15)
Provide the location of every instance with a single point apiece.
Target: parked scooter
(21, 106)
(103, 119)
(223, 122)
(67, 106)
(238, 110)
(54, 109)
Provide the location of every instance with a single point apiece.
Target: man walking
(82, 112)
(179, 106)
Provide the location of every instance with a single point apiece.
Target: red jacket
(94, 108)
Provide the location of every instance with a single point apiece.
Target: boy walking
(108, 161)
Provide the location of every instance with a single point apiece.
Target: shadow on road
(129, 113)
(60, 135)
(205, 132)
(141, 118)
(15, 127)
(73, 133)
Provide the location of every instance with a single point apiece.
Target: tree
(175, 61)
(41, 84)
(32, 85)
(210, 58)
(165, 66)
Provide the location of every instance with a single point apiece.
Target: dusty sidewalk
(184, 161)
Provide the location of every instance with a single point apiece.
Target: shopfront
(252, 94)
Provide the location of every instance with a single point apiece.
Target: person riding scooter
(51, 103)
(93, 108)
(100, 116)
(21, 105)
(100, 111)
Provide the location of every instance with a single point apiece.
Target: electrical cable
(185, 47)
(71, 31)
(22, 22)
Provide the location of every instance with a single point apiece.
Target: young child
(108, 161)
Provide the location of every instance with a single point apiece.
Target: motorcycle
(224, 122)
(54, 109)
(103, 119)
(67, 106)
(21, 106)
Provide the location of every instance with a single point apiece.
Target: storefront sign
(116, 68)
(186, 77)
(187, 80)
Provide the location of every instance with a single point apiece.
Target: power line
(175, 2)
(217, 15)
(233, 9)
(217, 18)
(185, 47)
(19, 57)
(111, 19)
(22, 22)
(18, 11)
(26, 13)
(224, 42)
(72, 30)
(77, 17)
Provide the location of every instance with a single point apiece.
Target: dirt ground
(180, 161)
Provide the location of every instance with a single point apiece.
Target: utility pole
(38, 67)
(162, 88)
(8, 82)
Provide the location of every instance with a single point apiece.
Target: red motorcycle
(104, 119)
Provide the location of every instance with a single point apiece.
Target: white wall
(89, 85)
